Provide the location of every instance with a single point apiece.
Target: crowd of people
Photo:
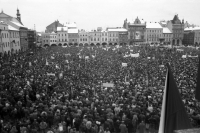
(99, 89)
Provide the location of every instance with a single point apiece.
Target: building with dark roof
(53, 27)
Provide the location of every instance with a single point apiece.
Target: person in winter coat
(141, 127)
(123, 128)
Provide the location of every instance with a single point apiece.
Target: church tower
(18, 15)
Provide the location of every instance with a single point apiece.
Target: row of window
(155, 31)
(62, 40)
(112, 35)
(14, 34)
(155, 35)
(73, 40)
(83, 39)
(4, 35)
(62, 34)
(7, 44)
(197, 38)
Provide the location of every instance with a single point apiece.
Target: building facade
(5, 39)
(73, 36)
(95, 37)
(136, 31)
(14, 39)
(32, 39)
(154, 32)
(53, 39)
(123, 37)
(113, 36)
(45, 39)
(53, 27)
(104, 37)
(17, 23)
(167, 35)
(191, 36)
(62, 36)
(177, 29)
(83, 37)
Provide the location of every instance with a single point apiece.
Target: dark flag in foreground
(173, 113)
(197, 94)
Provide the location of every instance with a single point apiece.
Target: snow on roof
(118, 29)
(18, 24)
(72, 30)
(60, 28)
(191, 28)
(153, 25)
(12, 28)
(166, 30)
(71, 25)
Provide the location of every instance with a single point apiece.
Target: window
(94, 39)
(65, 34)
(85, 39)
(80, 39)
(65, 39)
(102, 39)
(105, 39)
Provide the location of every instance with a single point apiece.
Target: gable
(3, 15)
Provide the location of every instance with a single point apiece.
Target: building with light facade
(95, 37)
(14, 39)
(167, 35)
(17, 23)
(104, 37)
(45, 39)
(62, 36)
(5, 39)
(177, 29)
(53, 39)
(154, 33)
(83, 37)
(136, 31)
(117, 35)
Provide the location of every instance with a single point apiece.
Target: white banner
(124, 64)
(108, 85)
(135, 55)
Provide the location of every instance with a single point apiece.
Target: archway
(92, 44)
(115, 44)
(70, 44)
(86, 44)
(104, 43)
(98, 44)
(110, 43)
(75, 44)
(178, 42)
(59, 44)
(80, 44)
(121, 44)
(124, 43)
(53, 45)
(65, 44)
(46, 45)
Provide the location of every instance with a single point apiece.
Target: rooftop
(166, 30)
(153, 25)
(72, 30)
(12, 28)
(62, 28)
(117, 29)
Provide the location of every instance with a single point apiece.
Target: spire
(18, 15)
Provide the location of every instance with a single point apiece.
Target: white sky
(90, 14)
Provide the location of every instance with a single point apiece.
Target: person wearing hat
(123, 128)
